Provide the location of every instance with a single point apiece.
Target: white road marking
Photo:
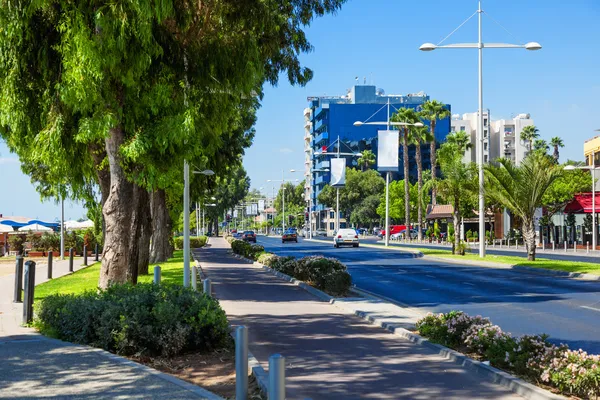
(470, 284)
(591, 308)
(431, 276)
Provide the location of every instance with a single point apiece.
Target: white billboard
(338, 172)
(387, 150)
(235, 213)
(261, 205)
(249, 210)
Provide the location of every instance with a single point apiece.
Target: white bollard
(565, 246)
(157, 275)
(276, 377)
(241, 363)
(208, 287)
(543, 244)
(553, 246)
(587, 247)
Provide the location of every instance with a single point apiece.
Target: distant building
(501, 138)
(328, 117)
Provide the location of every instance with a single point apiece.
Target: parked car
(249, 236)
(345, 237)
(393, 229)
(321, 232)
(290, 235)
(413, 234)
(237, 235)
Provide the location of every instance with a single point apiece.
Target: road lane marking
(590, 308)
(470, 284)
(431, 276)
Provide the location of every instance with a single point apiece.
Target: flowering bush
(530, 356)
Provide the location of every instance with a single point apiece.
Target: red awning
(582, 203)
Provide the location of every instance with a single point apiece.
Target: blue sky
(379, 39)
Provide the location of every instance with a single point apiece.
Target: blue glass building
(327, 118)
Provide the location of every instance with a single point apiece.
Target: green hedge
(246, 249)
(195, 242)
(144, 319)
(326, 274)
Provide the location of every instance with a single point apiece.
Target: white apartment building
(501, 138)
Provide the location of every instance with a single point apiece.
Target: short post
(157, 275)
(18, 279)
(508, 243)
(207, 287)
(276, 377)
(565, 246)
(84, 255)
(28, 293)
(50, 264)
(194, 278)
(241, 363)
(544, 244)
(575, 247)
(96, 251)
(553, 246)
(71, 259)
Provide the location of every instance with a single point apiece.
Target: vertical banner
(254, 209)
(387, 151)
(261, 205)
(235, 213)
(338, 172)
(248, 210)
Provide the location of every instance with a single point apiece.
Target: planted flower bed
(533, 357)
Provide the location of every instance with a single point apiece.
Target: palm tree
(366, 160)
(420, 136)
(410, 116)
(529, 134)
(432, 110)
(556, 142)
(457, 184)
(541, 145)
(461, 140)
(521, 189)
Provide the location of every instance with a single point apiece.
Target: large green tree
(556, 142)
(119, 94)
(366, 160)
(521, 189)
(433, 110)
(420, 135)
(529, 134)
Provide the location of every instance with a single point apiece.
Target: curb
(487, 372)
(202, 393)
(261, 376)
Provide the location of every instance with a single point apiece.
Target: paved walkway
(330, 353)
(34, 366)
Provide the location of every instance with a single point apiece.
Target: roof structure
(440, 211)
(582, 204)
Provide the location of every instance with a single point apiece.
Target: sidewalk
(330, 353)
(35, 366)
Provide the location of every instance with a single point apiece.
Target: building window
(452, 129)
(485, 158)
(485, 133)
(331, 214)
(485, 146)
(485, 122)
(462, 128)
(331, 226)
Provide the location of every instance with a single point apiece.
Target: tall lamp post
(283, 180)
(479, 46)
(310, 202)
(387, 175)
(186, 219)
(593, 169)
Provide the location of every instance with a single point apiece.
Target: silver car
(345, 237)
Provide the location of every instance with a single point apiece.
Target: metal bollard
(71, 259)
(241, 363)
(29, 292)
(587, 247)
(565, 246)
(96, 251)
(84, 255)
(18, 279)
(194, 278)
(156, 275)
(553, 246)
(207, 287)
(575, 247)
(276, 377)
(50, 264)
(543, 244)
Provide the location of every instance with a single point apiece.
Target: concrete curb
(486, 372)
(262, 377)
(202, 393)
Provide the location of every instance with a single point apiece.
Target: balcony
(322, 164)
(323, 178)
(307, 112)
(307, 124)
(319, 111)
(320, 138)
(320, 125)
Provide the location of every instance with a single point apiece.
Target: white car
(345, 237)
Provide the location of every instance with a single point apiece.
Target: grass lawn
(570, 266)
(87, 278)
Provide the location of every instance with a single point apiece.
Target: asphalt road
(519, 302)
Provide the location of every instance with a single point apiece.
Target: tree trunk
(136, 234)
(160, 246)
(146, 233)
(433, 160)
(117, 216)
(456, 223)
(420, 188)
(529, 237)
(98, 154)
(406, 184)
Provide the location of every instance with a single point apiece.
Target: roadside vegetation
(532, 357)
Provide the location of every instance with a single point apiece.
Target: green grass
(87, 278)
(559, 265)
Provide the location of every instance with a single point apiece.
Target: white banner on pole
(254, 209)
(235, 213)
(248, 210)
(338, 172)
(261, 205)
(387, 151)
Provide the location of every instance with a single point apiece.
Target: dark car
(249, 236)
(290, 235)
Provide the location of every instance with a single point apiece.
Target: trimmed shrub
(286, 265)
(144, 319)
(195, 242)
(16, 243)
(267, 259)
(327, 274)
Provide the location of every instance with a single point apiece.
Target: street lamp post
(186, 219)
(310, 202)
(479, 46)
(387, 175)
(283, 180)
(592, 168)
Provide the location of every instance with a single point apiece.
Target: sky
(379, 40)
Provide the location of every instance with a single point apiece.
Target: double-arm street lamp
(283, 180)
(480, 46)
(387, 175)
(593, 169)
(186, 219)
